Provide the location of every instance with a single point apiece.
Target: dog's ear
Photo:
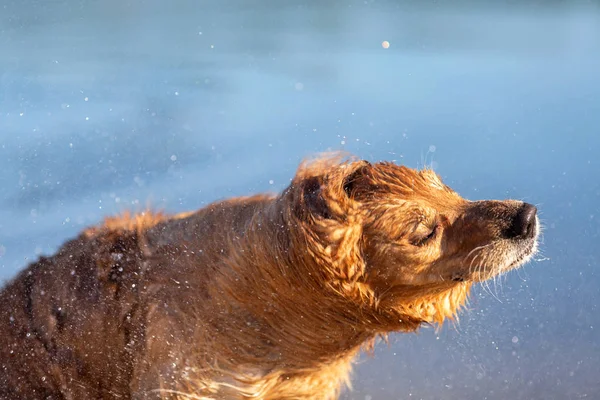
(357, 182)
(326, 190)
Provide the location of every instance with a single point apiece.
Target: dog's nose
(523, 225)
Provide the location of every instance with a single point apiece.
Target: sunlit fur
(265, 297)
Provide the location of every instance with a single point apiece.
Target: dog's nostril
(524, 222)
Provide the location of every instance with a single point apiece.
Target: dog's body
(266, 297)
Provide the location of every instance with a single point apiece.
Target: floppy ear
(323, 192)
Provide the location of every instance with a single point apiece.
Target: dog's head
(395, 229)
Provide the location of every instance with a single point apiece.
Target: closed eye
(423, 240)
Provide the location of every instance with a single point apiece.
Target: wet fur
(265, 297)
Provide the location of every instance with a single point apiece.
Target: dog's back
(76, 324)
(68, 320)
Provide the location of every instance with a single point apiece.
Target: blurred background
(117, 105)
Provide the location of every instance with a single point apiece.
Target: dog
(263, 297)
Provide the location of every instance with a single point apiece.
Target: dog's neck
(279, 299)
(263, 301)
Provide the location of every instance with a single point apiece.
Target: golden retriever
(263, 297)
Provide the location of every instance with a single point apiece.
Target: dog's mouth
(515, 256)
(522, 257)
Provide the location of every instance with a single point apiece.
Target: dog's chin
(524, 256)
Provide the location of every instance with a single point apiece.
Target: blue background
(117, 105)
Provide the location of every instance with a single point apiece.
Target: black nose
(523, 225)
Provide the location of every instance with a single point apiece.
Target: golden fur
(264, 297)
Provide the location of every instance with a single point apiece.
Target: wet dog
(264, 297)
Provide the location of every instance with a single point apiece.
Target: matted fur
(263, 297)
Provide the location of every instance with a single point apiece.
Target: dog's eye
(422, 240)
